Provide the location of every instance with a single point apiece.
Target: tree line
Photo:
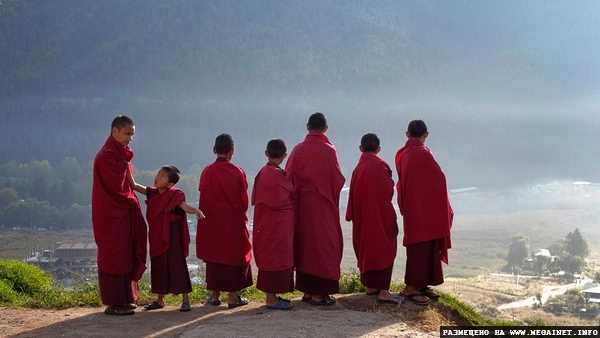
(40, 195)
(566, 255)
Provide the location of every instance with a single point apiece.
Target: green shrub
(350, 283)
(25, 278)
(8, 296)
(397, 286)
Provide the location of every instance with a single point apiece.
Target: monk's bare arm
(191, 210)
(137, 187)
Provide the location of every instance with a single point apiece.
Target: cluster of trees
(566, 255)
(41, 195)
(571, 302)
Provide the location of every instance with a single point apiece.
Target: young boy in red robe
(374, 227)
(169, 236)
(119, 226)
(273, 231)
(222, 239)
(424, 204)
(314, 170)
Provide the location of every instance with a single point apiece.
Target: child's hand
(199, 213)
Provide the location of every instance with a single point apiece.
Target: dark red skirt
(117, 290)
(377, 279)
(221, 277)
(423, 264)
(169, 273)
(275, 281)
(316, 285)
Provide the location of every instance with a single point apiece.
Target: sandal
(213, 302)
(427, 291)
(306, 298)
(413, 298)
(372, 293)
(154, 306)
(185, 307)
(397, 300)
(118, 311)
(282, 304)
(241, 302)
(283, 299)
(327, 300)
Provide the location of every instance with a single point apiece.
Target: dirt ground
(352, 316)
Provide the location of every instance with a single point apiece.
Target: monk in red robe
(273, 231)
(119, 227)
(374, 227)
(222, 239)
(169, 236)
(315, 172)
(424, 204)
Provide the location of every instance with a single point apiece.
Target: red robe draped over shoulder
(314, 170)
(119, 226)
(374, 227)
(159, 215)
(222, 237)
(273, 231)
(423, 196)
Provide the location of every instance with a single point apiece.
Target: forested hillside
(211, 47)
(214, 46)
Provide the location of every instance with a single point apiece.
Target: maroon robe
(314, 170)
(119, 227)
(374, 227)
(423, 197)
(160, 215)
(169, 241)
(222, 237)
(273, 230)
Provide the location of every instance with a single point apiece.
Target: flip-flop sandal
(327, 300)
(372, 293)
(213, 302)
(283, 299)
(306, 299)
(282, 304)
(185, 307)
(153, 306)
(427, 291)
(397, 300)
(118, 311)
(412, 297)
(241, 302)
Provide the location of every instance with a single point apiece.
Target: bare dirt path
(353, 316)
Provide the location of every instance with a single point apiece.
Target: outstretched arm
(191, 210)
(137, 187)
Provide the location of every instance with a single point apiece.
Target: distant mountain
(199, 47)
(187, 70)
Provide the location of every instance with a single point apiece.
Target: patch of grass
(350, 282)
(24, 278)
(86, 294)
(8, 296)
(397, 286)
